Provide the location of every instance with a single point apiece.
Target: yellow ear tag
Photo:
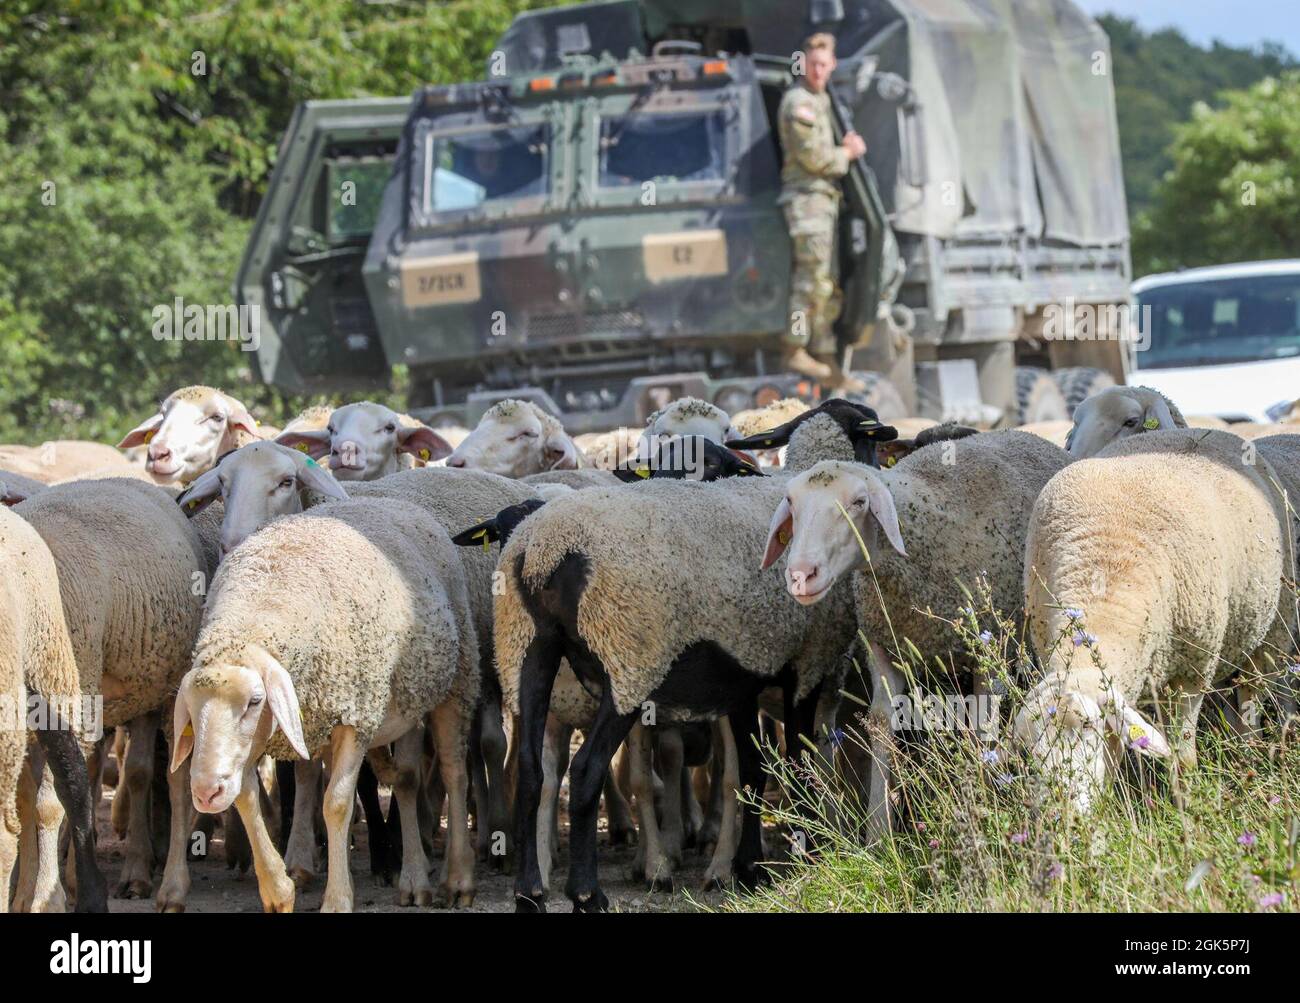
(301, 447)
(188, 732)
(891, 461)
(767, 442)
(192, 504)
(424, 455)
(148, 436)
(643, 472)
(1151, 423)
(783, 537)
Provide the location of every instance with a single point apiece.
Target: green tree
(1233, 193)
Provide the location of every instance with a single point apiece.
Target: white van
(1222, 341)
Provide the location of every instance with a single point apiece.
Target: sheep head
(514, 439)
(193, 427)
(363, 441)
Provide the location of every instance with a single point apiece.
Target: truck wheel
(1078, 383)
(881, 396)
(1037, 397)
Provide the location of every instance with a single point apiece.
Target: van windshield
(678, 146)
(1248, 319)
(464, 170)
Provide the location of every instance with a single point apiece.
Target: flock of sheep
(302, 615)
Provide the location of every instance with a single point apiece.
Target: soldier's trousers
(815, 298)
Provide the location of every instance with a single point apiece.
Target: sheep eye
(390, 427)
(253, 701)
(1131, 423)
(218, 418)
(287, 482)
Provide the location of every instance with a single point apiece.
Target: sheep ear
(238, 418)
(314, 442)
(10, 496)
(182, 731)
(142, 433)
(882, 507)
(778, 534)
(630, 475)
(889, 453)
(482, 534)
(1132, 728)
(282, 699)
(561, 451)
(201, 493)
(422, 442)
(312, 477)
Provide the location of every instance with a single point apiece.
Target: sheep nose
(159, 452)
(804, 577)
(206, 795)
(456, 461)
(347, 453)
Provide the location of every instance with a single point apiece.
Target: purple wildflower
(1269, 901)
(1142, 742)
(1082, 637)
(1056, 871)
(1019, 837)
(1074, 614)
(989, 756)
(934, 844)
(986, 636)
(1247, 839)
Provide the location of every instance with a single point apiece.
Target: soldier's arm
(823, 159)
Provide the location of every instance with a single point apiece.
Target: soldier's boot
(797, 360)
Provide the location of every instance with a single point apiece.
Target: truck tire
(881, 396)
(1078, 383)
(1037, 397)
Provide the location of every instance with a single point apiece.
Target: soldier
(810, 194)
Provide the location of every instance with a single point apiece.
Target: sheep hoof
(464, 899)
(595, 902)
(660, 883)
(418, 897)
(715, 882)
(134, 888)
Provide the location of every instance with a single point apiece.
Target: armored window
(671, 147)
(354, 187)
(462, 171)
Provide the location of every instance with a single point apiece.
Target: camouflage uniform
(811, 197)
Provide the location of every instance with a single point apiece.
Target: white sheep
(363, 441)
(61, 459)
(336, 630)
(950, 514)
(36, 658)
(516, 438)
(1152, 571)
(131, 576)
(640, 590)
(1117, 413)
(686, 416)
(192, 428)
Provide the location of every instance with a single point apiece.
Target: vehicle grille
(547, 327)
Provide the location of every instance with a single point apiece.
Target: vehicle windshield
(355, 188)
(682, 147)
(464, 170)
(1249, 319)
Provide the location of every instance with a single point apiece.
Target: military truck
(595, 224)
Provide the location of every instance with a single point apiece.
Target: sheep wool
(363, 602)
(130, 572)
(669, 564)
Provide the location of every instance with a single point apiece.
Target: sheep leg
(376, 828)
(136, 881)
(346, 755)
(651, 864)
(622, 830)
(300, 850)
(274, 886)
(749, 771)
(692, 813)
(478, 785)
(9, 828)
(239, 852)
(72, 785)
(286, 785)
(451, 732)
(727, 787)
(668, 742)
(176, 872)
(536, 677)
(492, 744)
(886, 683)
(554, 748)
(40, 816)
(713, 813)
(119, 813)
(413, 884)
(1185, 710)
(586, 778)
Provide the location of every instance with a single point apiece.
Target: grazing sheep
(516, 438)
(130, 574)
(61, 459)
(640, 591)
(36, 657)
(365, 441)
(193, 427)
(963, 507)
(1116, 413)
(1154, 570)
(336, 629)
